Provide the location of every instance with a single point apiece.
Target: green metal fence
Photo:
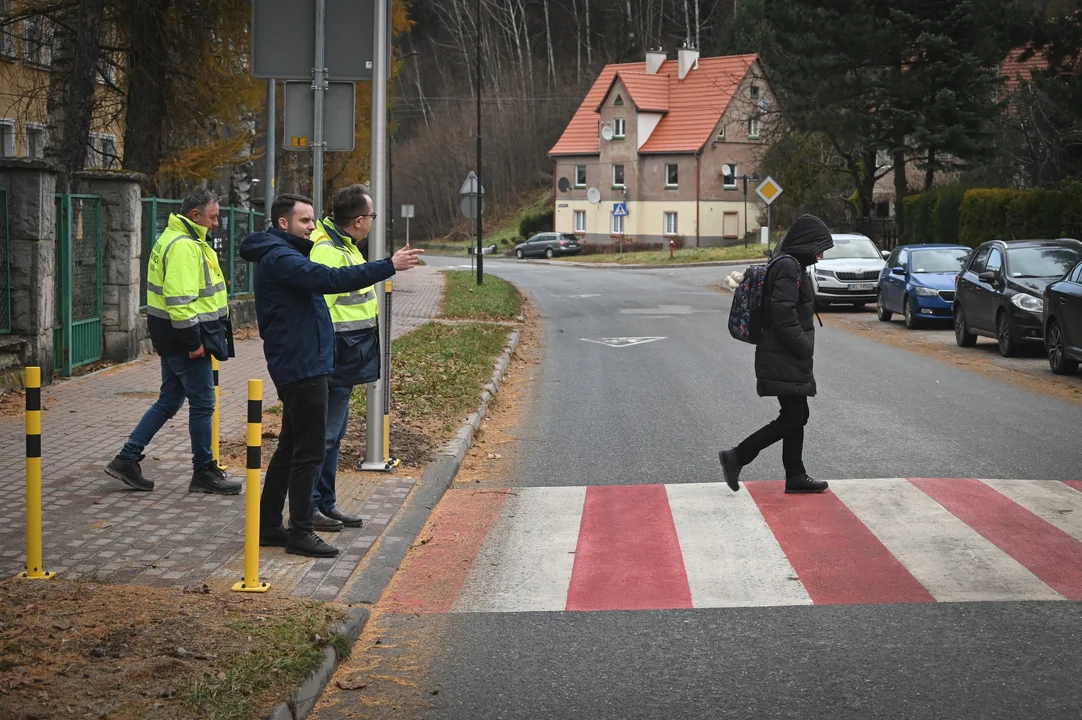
(77, 333)
(233, 224)
(5, 271)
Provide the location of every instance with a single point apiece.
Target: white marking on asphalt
(1058, 504)
(659, 310)
(525, 563)
(590, 295)
(619, 342)
(730, 555)
(949, 558)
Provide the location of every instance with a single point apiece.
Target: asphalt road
(657, 412)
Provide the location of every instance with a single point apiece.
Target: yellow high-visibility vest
(185, 284)
(350, 311)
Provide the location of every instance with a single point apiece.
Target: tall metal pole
(377, 236)
(745, 211)
(272, 131)
(480, 198)
(319, 85)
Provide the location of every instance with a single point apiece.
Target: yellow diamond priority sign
(769, 190)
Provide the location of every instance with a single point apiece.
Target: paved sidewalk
(95, 527)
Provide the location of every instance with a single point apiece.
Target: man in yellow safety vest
(341, 240)
(188, 321)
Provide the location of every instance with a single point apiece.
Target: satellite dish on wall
(726, 170)
(606, 132)
(593, 195)
(564, 184)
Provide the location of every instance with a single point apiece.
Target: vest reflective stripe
(350, 311)
(176, 289)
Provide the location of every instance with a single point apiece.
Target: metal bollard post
(33, 478)
(391, 462)
(251, 582)
(215, 423)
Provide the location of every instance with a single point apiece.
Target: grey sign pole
(272, 112)
(377, 236)
(319, 85)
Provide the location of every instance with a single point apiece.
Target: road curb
(394, 543)
(640, 266)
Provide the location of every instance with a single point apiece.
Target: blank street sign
(338, 114)
(284, 39)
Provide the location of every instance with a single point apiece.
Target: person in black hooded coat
(783, 356)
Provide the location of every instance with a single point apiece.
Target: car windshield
(940, 260)
(859, 248)
(1042, 262)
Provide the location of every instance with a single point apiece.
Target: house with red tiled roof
(656, 138)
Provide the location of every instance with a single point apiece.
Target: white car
(849, 272)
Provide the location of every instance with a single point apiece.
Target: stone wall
(31, 186)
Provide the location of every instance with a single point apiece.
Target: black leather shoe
(730, 466)
(129, 472)
(350, 521)
(805, 484)
(322, 523)
(273, 536)
(306, 542)
(212, 479)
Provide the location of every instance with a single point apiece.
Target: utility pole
(319, 85)
(272, 131)
(480, 222)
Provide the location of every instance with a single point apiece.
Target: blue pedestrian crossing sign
(619, 209)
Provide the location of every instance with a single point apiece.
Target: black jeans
(301, 447)
(789, 428)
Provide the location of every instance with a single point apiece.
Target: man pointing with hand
(298, 342)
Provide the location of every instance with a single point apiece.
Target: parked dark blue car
(919, 282)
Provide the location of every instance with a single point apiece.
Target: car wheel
(911, 320)
(1004, 335)
(962, 335)
(1057, 352)
(881, 309)
(518, 254)
(549, 253)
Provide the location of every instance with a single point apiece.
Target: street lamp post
(480, 222)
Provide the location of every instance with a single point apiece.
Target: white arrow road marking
(620, 342)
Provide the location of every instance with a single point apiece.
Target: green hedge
(536, 220)
(954, 214)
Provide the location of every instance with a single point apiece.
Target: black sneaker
(273, 536)
(731, 467)
(805, 484)
(306, 542)
(129, 472)
(212, 479)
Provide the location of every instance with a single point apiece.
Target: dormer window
(618, 128)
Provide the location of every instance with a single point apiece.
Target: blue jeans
(182, 377)
(337, 424)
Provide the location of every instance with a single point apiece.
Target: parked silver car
(548, 244)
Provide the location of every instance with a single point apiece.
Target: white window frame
(580, 227)
(577, 183)
(619, 128)
(754, 127)
(736, 177)
(672, 185)
(27, 129)
(623, 171)
(673, 227)
(617, 225)
(45, 52)
(721, 133)
(7, 34)
(109, 161)
(7, 148)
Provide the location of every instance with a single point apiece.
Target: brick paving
(94, 527)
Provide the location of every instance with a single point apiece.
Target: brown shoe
(322, 523)
(350, 521)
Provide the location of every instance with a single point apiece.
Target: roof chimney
(654, 59)
(687, 57)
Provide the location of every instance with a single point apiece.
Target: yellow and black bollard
(390, 462)
(33, 478)
(251, 582)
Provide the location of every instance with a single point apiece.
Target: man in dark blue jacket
(298, 342)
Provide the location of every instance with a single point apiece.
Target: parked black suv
(1063, 322)
(1001, 289)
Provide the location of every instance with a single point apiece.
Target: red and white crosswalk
(647, 547)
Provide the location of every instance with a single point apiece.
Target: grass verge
(686, 255)
(496, 299)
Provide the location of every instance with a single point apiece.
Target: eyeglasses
(368, 215)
